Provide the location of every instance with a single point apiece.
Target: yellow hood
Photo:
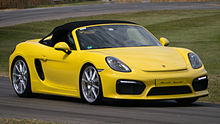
(148, 58)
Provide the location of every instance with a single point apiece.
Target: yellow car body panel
(62, 71)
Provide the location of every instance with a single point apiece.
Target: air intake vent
(200, 83)
(169, 90)
(130, 87)
(39, 69)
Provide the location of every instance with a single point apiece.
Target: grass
(198, 30)
(24, 121)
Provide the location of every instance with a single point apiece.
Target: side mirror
(63, 47)
(164, 41)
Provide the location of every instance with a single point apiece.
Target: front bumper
(154, 80)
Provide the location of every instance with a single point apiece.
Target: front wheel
(21, 78)
(187, 101)
(91, 89)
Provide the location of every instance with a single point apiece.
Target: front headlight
(116, 64)
(195, 60)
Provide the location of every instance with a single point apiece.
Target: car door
(60, 69)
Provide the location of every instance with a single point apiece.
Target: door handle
(43, 58)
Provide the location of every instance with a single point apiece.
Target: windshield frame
(75, 37)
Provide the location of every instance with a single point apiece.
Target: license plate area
(170, 82)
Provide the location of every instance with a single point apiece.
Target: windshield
(113, 36)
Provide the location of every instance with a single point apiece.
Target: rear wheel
(21, 78)
(91, 89)
(187, 101)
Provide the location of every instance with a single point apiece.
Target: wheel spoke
(93, 76)
(19, 87)
(84, 80)
(15, 86)
(17, 75)
(23, 85)
(20, 67)
(85, 90)
(22, 88)
(89, 93)
(25, 78)
(90, 74)
(87, 77)
(24, 68)
(95, 86)
(94, 93)
(25, 72)
(16, 66)
(96, 80)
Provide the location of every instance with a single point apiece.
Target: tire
(21, 78)
(187, 101)
(90, 85)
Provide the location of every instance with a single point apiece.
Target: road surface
(70, 110)
(12, 17)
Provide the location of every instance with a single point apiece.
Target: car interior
(60, 37)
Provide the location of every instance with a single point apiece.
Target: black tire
(187, 101)
(21, 78)
(86, 86)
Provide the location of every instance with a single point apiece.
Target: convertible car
(112, 59)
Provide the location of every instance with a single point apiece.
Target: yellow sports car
(100, 59)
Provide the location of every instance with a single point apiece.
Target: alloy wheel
(90, 84)
(20, 76)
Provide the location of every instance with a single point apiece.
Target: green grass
(198, 30)
(24, 121)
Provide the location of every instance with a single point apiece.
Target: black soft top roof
(59, 31)
(73, 25)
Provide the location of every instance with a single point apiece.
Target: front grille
(129, 87)
(169, 90)
(200, 83)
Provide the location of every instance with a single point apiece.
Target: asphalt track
(13, 17)
(71, 110)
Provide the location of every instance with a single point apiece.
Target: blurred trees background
(21, 4)
(4, 4)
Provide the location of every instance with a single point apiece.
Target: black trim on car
(200, 83)
(171, 90)
(129, 87)
(39, 69)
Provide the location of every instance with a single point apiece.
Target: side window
(70, 41)
(60, 37)
(47, 41)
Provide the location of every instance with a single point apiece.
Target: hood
(148, 58)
